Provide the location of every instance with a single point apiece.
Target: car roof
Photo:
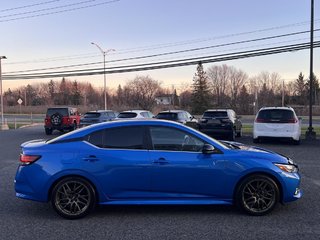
(134, 111)
(79, 133)
(281, 108)
(100, 111)
(215, 110)
(172, 111)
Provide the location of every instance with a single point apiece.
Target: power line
(47, 9)
(28, 6)
(159, 46)
(61, 11)
(169, 64)
(168, 53)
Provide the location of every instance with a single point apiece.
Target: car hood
(248, 151)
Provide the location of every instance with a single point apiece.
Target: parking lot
(30, 220)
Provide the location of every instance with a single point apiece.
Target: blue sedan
(151, 162)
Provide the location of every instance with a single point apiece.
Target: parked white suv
(135, 114)
(277, 122)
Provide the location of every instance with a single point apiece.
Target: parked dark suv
(61, 118)
(99, 116)
(180, 116)
(221, 122)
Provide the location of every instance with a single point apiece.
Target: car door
(120, 162)
(179, 168)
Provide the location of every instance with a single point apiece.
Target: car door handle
(90, 158)
(161, 161)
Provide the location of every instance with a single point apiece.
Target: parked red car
(61, 118)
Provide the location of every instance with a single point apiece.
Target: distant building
(164, 99)
(168, 99)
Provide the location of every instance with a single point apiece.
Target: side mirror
(208, 149)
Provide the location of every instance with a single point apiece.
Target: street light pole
(1, 92)
(104, 53)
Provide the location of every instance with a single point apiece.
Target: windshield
(127, 115)
(167, 116)
(92, 115)
(215, 114)
(62, 111)
(276, 115)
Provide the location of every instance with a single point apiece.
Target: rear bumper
(216, 131)
(60, 127)
(280, 135)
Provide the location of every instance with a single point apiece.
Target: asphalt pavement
(22, 219)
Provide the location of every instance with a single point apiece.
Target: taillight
(293, 120)
(260, 120)
(28, 159)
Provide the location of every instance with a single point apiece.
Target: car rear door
(120, 162)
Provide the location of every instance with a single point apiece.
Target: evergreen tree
(315, 89)
(76, 95)
(51, 91)
(201, 91)
(244, 101)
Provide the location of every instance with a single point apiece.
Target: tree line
(219, 86)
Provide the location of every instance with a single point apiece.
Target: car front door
(119, 160)
(179, 168)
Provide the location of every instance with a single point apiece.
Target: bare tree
(142, 91)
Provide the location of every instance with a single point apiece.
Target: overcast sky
(62, 36)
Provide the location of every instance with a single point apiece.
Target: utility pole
(310, 134)
(3, 125)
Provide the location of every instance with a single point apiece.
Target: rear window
(167, 116)
(62, 111)
(92, 115)
(127, 115)
(215, 114)
(276, 116)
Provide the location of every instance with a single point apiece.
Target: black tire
(257, 195)
(232, 135)
(296, 142)
(48, 131)
(74, 126)
(239, 133)
(73, 197)
(56, 119)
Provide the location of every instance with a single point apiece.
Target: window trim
(151, 148)
(145, 145)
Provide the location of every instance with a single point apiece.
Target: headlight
(287, 167)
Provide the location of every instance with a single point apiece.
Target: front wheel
(257, 195)
(73, 197)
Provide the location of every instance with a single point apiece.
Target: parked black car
(221, 122)
(93, 117)
(180, 116)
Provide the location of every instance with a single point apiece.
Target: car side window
(95, 138)
(171, 139)
(124, 138)
(111, 114)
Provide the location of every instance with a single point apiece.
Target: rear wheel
(232, 135)
(48, 131)
(296, 142)
(239, 133)
(74, 126)
(257, 195)
(73, 197)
